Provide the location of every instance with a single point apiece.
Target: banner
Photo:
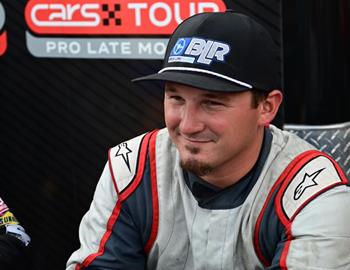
(137, 29)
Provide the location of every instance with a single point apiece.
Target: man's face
(214, 132)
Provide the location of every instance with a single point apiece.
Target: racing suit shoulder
(306, 180)
(126, 161)
(314, 173)
(119, 227)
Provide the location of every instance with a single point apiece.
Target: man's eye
(213, 103)
(176, 98)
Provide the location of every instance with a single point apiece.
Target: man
(13, 240)
(219, 188)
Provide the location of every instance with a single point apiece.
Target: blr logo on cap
(197, 50)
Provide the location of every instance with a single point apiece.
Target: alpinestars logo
(3, 34)
(308, 181)
(124, 151)
(107, 29)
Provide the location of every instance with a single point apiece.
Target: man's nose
(191, 120)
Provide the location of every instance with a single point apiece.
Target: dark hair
(258, 96)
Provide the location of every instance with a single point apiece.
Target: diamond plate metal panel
(331, 139)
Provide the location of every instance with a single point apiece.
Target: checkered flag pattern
(111, 18)
(331, 139)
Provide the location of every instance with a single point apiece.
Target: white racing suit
(295, 214)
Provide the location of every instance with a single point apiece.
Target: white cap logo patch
(198, 50)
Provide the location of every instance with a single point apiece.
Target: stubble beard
(195, 166)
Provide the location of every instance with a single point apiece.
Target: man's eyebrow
(218, 96)
(215, 96)
(170, 89)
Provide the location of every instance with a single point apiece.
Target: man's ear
(269, 107)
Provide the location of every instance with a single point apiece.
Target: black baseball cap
(221, 51)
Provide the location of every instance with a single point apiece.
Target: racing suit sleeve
(319, 236)
(109, 238)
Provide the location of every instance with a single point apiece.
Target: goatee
(196, 167)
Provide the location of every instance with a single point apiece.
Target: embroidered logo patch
(308, 181)
(198, 50)
(316, 176)
(123, 160)
(124, 151)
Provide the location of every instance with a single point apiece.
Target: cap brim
(200, 81)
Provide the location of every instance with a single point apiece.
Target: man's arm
(109, 237)
(319, 236)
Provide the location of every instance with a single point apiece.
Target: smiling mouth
(196, 140)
